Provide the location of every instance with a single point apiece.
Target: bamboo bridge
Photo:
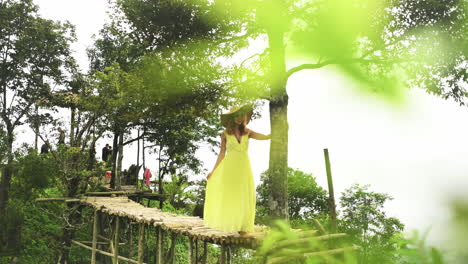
(157, 222)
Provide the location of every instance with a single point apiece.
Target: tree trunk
(118, 176)
(72, 126)
(114, 158)
(138, 149)
(68, 233)
(160, 179)
(161, 189)
(36, 128)
(7, 171)
(73, 214)
(278, 165)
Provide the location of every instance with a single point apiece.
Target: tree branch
(254, 55)
(247, 34)
(135, 139)
(342, 61)
(25, 110)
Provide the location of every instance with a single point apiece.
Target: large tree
(377, 43)
(34, 54)
(176, 85)
(373, 42)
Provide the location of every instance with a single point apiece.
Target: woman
(230, 190)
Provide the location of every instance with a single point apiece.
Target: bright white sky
(417, 153)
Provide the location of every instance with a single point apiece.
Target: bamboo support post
(228, 253)
(141, 235)
(159, 247)
(205, 252)
(95, 236)
(330, 191)
(222, 257)
(130, 241)
(190, 251)
(172, 249)
(196, 251)
(320, 227)
(116, 240)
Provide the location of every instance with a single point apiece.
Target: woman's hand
(209, 175)
(258, 136)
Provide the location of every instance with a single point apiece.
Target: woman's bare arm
(222, 152)
(258, 136)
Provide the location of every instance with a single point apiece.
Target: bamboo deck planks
(190, 226)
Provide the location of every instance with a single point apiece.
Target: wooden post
(116, 240)
(228, 251)
(130, 242)
(143, 156)
(196, 251)
(222, 258)
(190, 251)
(330, 191)
(95, 236)
(172, 249)
(141, 235)
(205, 252)
(159, 247)
(138, 159)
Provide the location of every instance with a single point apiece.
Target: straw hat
(234, 112)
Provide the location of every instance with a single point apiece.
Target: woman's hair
(231, 124)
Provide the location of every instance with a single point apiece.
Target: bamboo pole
(129, 192)
(319, 226)
(205, 252)
(172, 249)
(130, 250)
(91, 242)
(228, 253)
(330, 191)
(196, 251)
(138, 159)
(190, 251)
(61, 199)
(222, 257)
(159, 250)
(312, 254)
(141, 235)
(143, 156)
(116, 240)
(95, 234)
(103, 237)
(104, 252)
(289, 243)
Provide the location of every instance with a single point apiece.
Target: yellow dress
(230, 190)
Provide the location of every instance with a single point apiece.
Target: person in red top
(147, 175)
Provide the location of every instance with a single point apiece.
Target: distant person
(44, 148)
(61, 136)
(105, 152)
(109, 152)
(92, 156)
